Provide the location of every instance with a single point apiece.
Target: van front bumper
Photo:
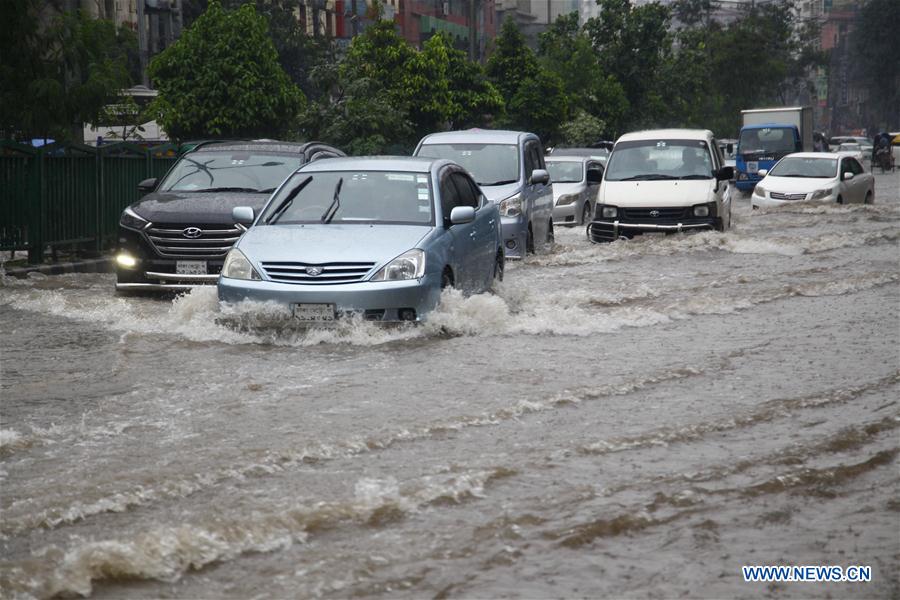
(608, 231)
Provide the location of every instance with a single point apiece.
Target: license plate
(313, 313)
(190, 267)
(753, 167)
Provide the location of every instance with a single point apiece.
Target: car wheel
(840, 200)
(586, 213)
(529, 241)
(869, 198)
(446, 279)
(550, 236)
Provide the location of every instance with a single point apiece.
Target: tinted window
(855, 166)
(362, 197)
(449, 196)
(767, 140)
(242, 171)
(466, 195)
(491, 164)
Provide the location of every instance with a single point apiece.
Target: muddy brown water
(637, 419)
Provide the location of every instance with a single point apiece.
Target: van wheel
(446, 279)
(529, 241)
(499, 265)
(550, 237)
(869, 198)
(840, 200)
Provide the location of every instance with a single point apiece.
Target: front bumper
(380, 301)
(566, 214)
(155, 273)
(607, 231)
(767, 201)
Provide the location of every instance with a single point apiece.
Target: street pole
(142, 42)
(473, 31)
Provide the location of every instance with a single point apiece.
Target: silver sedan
(575, 182)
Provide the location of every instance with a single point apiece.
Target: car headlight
(609, 212)
(238, 267)
(512, 206)
(760, 191)
(701, 210)
(819, 194)
(567, 199)
(409, 265)
(132, 220)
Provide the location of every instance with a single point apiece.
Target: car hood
(496, 193)
(195, 207)
(795, 185)
(656, 193)
(318, 244)
(561, 189)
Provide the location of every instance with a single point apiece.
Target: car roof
(487, 136)
(674, 134)
(376, 163)
(568, 158)
(586, 152)
(817, 154)
(273, 146)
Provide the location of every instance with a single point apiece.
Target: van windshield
(490, 164)
(230, 171)
(659, 159)
(767, 140)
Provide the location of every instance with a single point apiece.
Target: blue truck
(767, 135)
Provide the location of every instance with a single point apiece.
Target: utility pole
(473, 30)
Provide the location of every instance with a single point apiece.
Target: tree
(512, 61)
(59, 70)
(877, 44)
(472, 100)
(222, 79)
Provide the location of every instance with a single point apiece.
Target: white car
(814, 176)
(662, 181)
(854, 150)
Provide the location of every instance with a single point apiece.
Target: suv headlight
(819, 194)
(238, 267)
(409, 265)
(132, 220)
(609, 212)
(566, 199)
(512, 206)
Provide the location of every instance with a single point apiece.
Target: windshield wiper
(288, 200)
(649, 177)
(230, 189)
(501, 182)
(335, 203)
(696, 177)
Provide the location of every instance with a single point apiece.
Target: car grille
(325, 273)
(778, 196)
(670, 212)
(213, 241)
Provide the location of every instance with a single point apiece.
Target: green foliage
(512, 61)
(472, 100)
(584, 129)
(876, 42)
(58, 70)
(222, 78)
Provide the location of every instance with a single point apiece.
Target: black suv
(177, 235)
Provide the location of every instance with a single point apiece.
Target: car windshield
(659, 159)
(490, 164)
(795, 166)
(569, 171)
(767, 140)
(230, 171)
(391, 197)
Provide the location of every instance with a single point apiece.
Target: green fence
(70, 194)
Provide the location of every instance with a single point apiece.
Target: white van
(663, 180)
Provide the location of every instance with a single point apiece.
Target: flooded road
(637, 419)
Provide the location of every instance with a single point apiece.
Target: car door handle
(472, 234)
(491, 222)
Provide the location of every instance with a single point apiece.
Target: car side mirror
(539, 176)
(462, 214)
(594, 176)
(147, 185)
(727, 174)
(848, 175)
(762, 172)
(243, 215)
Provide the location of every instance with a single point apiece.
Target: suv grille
(210, 241)
(778, 196)
(651, 214)
(325, 273)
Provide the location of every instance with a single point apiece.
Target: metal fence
(71, 194)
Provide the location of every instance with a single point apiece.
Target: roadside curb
(91, 265)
